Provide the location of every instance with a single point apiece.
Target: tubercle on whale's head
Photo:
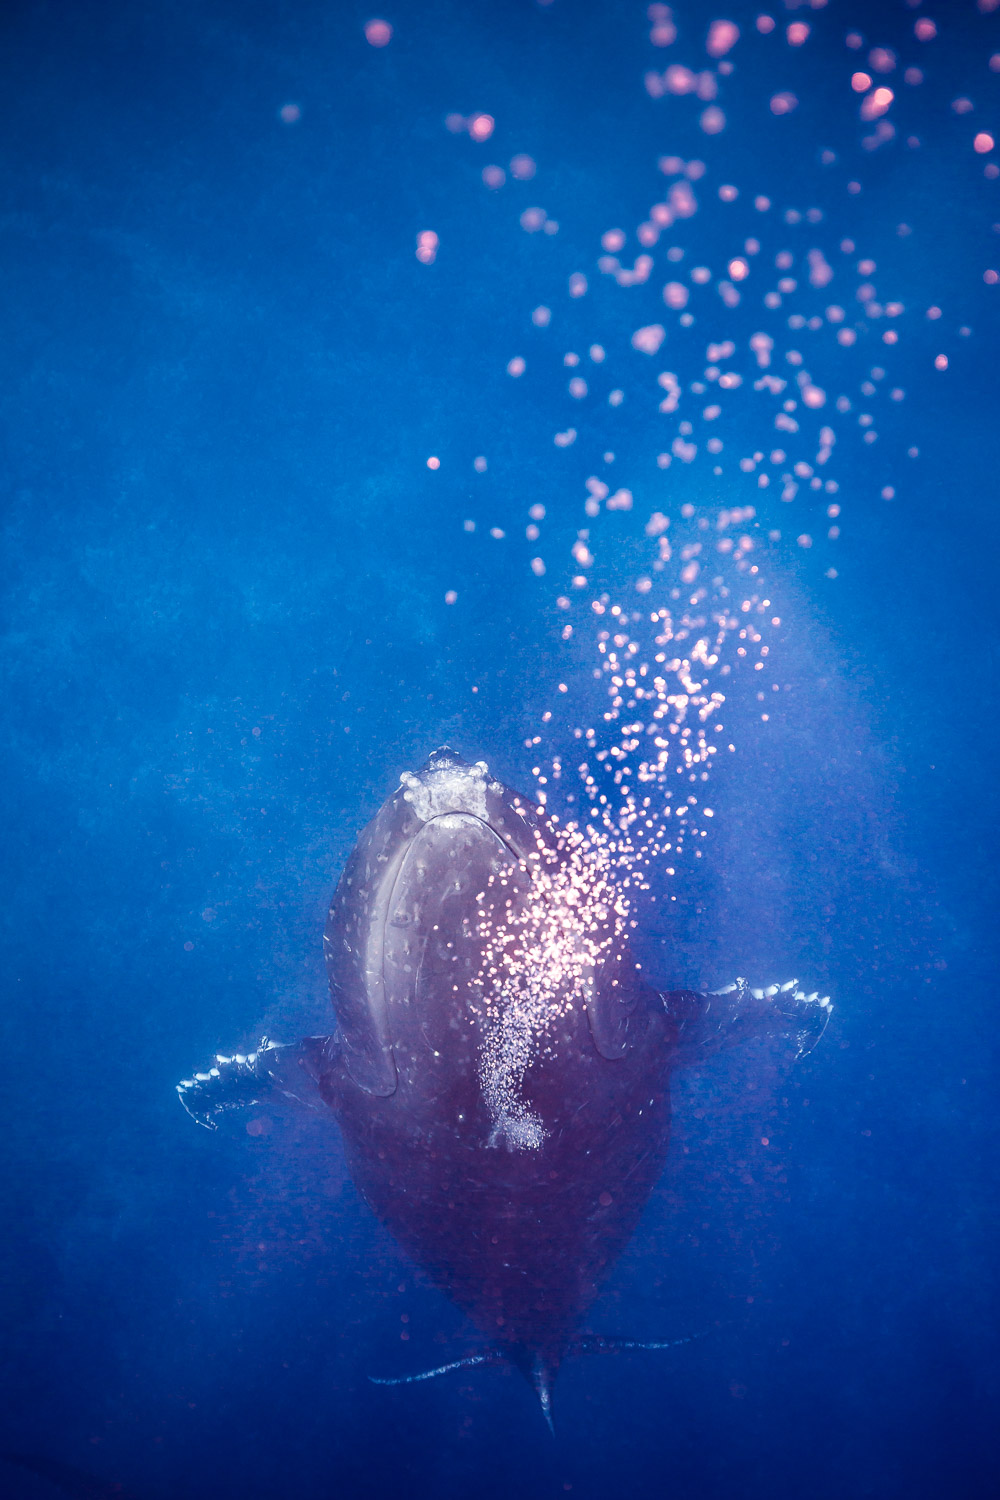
(448, 785)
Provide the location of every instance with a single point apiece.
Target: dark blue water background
(225, 635)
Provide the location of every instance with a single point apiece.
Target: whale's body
(500, 1069)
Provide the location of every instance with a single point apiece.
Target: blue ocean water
(226, 573)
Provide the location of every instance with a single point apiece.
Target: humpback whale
(500, 1066)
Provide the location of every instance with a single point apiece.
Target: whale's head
(411, 887)
(462, 903)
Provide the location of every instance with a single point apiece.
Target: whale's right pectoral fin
(273, 1074)
(705, 1024)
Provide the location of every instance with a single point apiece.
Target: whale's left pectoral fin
(705, 1024)
(272, 1074)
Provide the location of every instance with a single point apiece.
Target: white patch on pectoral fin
(798, 1015)
(232, 1084)
(270, 1074)
(713, 1022)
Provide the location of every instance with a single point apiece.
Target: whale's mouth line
(468, 817)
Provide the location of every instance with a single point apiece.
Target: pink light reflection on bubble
(983, 142)
(991, 277)
(728, 193)
(479, 464)
(542, 317)
(924, 30)
(523, 168)
(290, 114)
(797, 33)
(427, 247)
(783, 103)
(455, 123)
(648, 340)
(762, 344)
(675, 295)
(578, 284)
(994, 63)
(577, 388)
(962, 106)
(876, 103)
(679, 80)
(663, 30)
(516, 366)
(820, 270)
(481, 127)
(913, 76)
(433, 462)
(451, 597)
(941, 362)
(378, 33)
(532, 219)
(738, 269)
(722, 37)
(860, 82)
(683, 202)
(494, 177)
(765, 24)
(882, 59)
(761, 204)
(712, 121)
(612, 239)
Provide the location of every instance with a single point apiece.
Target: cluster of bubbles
(785, 348)
(761, 347)
(545, 935)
